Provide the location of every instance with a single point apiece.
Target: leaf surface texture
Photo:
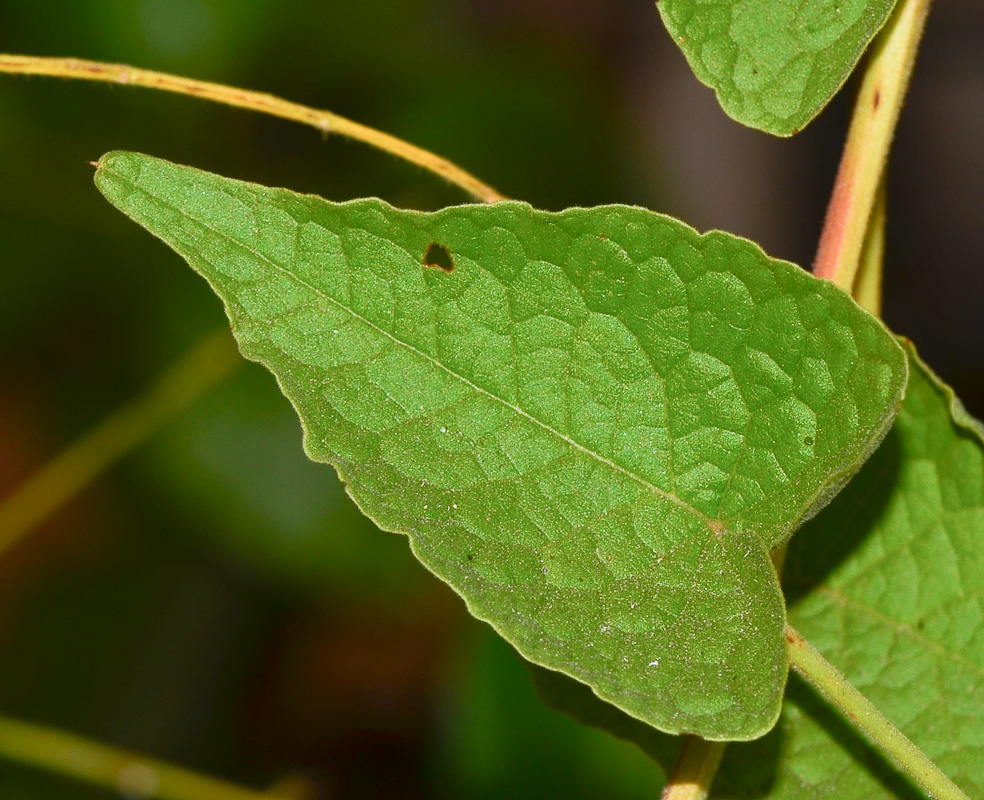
(593, 425)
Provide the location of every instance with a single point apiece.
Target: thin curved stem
(694, 772)
(860, 711)
(325, 121)
(869, 138)
(127, 773)
(207, 363)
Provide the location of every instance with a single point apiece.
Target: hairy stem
(868, 719)
(324, 121)
(868, 283)
(869, 138)
(208, 362)
(694, 772)
(120, 771)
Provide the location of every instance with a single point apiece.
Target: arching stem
(325, 121)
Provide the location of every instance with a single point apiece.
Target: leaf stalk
(694, 773)
(864, 715)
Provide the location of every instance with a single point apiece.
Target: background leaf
(888, 583)
(593, 425)
(774, 64)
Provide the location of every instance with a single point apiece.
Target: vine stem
(694, 772)
(207, 363)
(869, 138)
(823, 676)
(325, 121)
(867, 289)
(120, 771)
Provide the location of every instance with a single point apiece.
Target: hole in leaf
(438, 256)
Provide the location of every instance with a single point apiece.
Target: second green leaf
(774, 64)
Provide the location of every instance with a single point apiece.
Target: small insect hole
(438, 256)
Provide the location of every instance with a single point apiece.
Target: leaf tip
(101, 165)
(115, 158)
(116, 171)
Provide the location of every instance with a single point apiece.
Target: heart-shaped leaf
(594, 425)
(774, 64)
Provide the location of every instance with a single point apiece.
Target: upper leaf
(593, 425)
(888, 583)
(774, 64)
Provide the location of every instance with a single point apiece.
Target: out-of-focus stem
(122, 772)
(207, 363)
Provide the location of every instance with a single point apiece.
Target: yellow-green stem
(122, 772)
(869, 138)
(325, 121)
(868, 719)
(59, 480)
(694, 773)
(868, 283)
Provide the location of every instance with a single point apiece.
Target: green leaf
(774, 64)
(593, 425)
(888, 583)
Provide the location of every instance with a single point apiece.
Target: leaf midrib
(711, 524)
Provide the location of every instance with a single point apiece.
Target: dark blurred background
(215, 599)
